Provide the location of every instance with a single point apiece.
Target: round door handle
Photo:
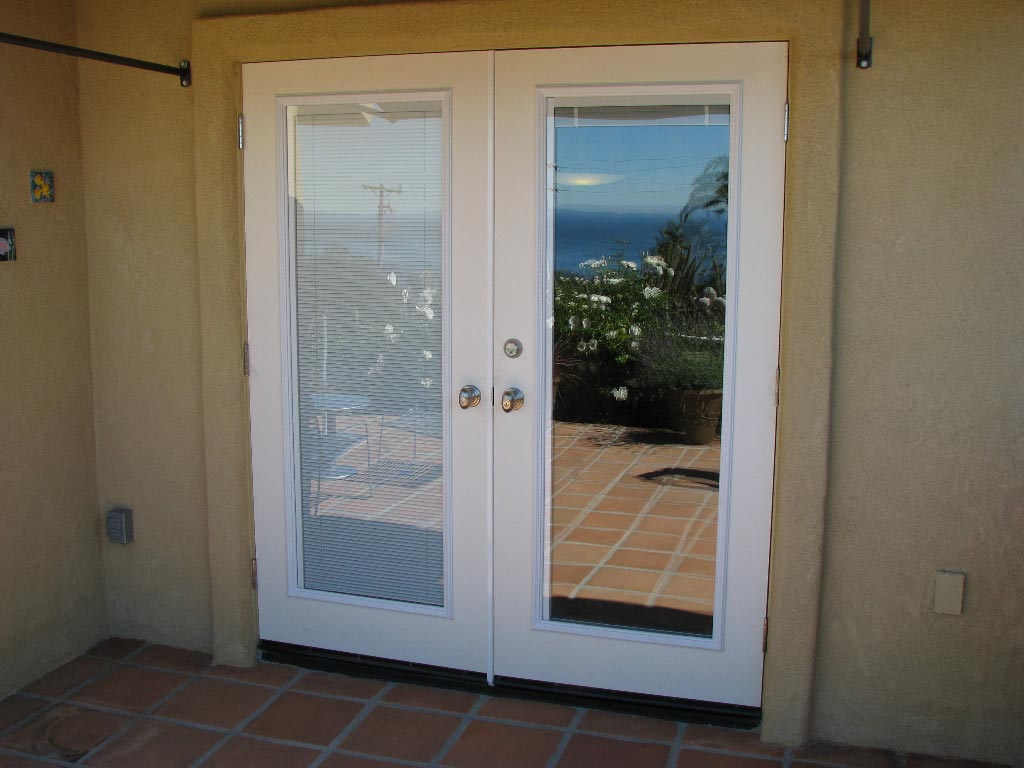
(512, 400)
(469, 397)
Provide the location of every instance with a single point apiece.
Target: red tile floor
(126, 704)
(634, 527)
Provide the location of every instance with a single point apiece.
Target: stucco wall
(140, 216)
(51, 585)
(928, 430)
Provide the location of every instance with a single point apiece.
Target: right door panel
(638, 242)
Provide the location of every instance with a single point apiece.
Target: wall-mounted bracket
(865, 43)
(183, 71)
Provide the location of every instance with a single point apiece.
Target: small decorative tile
(7, 252)
(42, 186)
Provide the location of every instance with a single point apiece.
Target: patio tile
(154, 744)
(679, 604)
(730, 740)
(569, 574)
(598, 536)
(639, 558)
(616, 724)
(431, 698)
(173, 659)
(614, 520)
(401, 734)
(613, 596)
(690, 587)
(585, 751)
(130, 688)
(923, 761)
(241, 752)
(305, 718)
(522, 710)
(338, 760)
(71, 675)
(671, 526)
(495, 745)
(655, 542)
(624, 578)
(215, 702)
(689, 758)
(116, 648)
(578, 553)
(12, 761)
(622, 506)
(339, 685)
(696, 567)
(848, 757)
(572, 500)
(14, 708)
(65, 732)
(274, 675)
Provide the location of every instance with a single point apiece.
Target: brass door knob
(469, 397)
(512, 400)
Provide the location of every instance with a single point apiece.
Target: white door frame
(491, 371)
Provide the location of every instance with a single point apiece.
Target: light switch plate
(949, 592)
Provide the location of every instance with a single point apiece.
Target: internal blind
(367, 189)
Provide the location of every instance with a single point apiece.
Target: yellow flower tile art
(42, 186)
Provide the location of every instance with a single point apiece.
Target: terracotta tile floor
(126, 704)
(634, 527)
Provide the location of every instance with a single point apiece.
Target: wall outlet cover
(7, 252)
(949, 592)
(42, 186)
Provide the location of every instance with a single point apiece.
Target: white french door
(589, 237)
(366, 217)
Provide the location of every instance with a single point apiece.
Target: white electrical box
(949, 592)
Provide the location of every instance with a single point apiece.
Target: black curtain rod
(183, 71)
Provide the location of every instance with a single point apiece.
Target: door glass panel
(366, 197)
(638, 213)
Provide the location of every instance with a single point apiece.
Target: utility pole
(383, 207)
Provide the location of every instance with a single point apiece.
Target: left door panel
(367, 253)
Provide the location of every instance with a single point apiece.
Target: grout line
(369, 705)
(252, 716)
(459, 730)
(556, 756)
(677, 746)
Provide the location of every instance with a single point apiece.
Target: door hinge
(785, 124)
(241, 131)
(245, 358)
(254, 574)
(778, 377)
(764, 637)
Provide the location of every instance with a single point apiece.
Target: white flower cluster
(620, 393)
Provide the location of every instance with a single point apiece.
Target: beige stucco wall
(928, 432)
(51, 582)
(139, 211)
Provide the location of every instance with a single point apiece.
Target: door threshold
(664, 707)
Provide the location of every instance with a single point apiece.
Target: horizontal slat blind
(367, 189)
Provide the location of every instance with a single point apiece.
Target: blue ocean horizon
(590, 234)
(581, 235)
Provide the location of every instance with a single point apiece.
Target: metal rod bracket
(865, 43)
(183, 71)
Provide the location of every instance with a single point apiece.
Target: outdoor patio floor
(127, 704)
